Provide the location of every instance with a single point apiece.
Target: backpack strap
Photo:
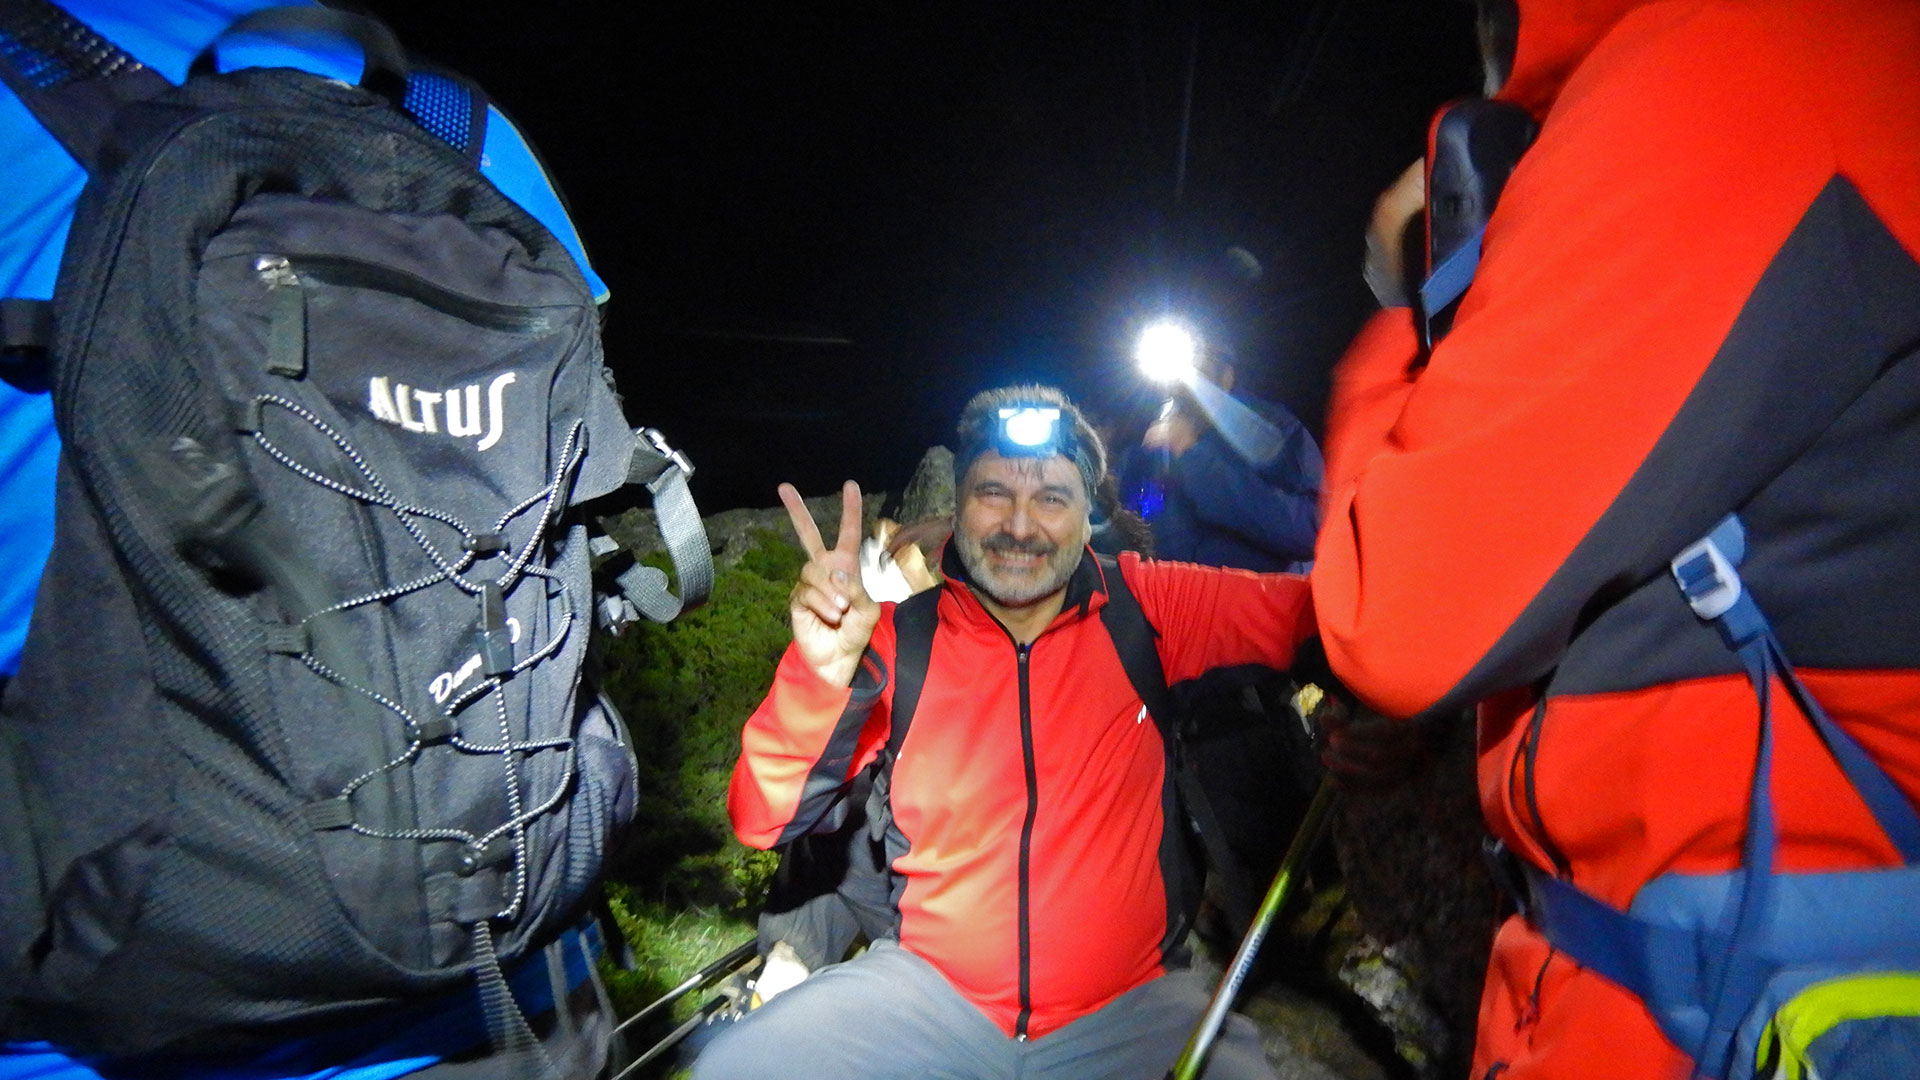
(1707, 573)
(1133, 638)
(1472, 148)
(641, 589)
(1716, 973)
(915, 620)
(383, 64)
(71, 79)
(450, 106)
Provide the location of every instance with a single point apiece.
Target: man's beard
(1016, 588)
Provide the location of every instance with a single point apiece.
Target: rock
(730, 533)
(1378, 974)
(1303, 1033)
(1411, 859)
(930, 493)
(1305, 1038)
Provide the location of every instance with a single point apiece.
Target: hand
(1395, 215)
(1362, 748)
(1174, 430)
(832, 615)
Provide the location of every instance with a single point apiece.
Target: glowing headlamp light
(1032, 431)
(1167, 352)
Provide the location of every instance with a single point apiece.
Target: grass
(683, 891)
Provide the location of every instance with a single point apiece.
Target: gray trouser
(887, 1013)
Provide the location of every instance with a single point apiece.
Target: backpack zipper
(281, 271)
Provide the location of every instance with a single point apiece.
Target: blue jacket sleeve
(1277, 508)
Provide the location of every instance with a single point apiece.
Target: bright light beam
(1167, 352)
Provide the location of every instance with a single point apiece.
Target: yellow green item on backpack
(1838, 1029)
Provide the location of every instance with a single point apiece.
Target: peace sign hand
(832, 615)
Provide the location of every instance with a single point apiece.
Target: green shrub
(686, 890)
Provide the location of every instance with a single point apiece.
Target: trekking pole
(1312, 828)
(724, 965)
(673, 1038)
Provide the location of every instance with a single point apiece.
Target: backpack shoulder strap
(1472, 149)
(70, 78)
(1133, 638)
(914, 621)
(451, 106)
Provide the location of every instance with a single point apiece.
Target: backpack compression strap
(642, 589)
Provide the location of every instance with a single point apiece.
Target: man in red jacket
(1697, 296)
(1040, 873)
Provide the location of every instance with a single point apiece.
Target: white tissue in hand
(880, 574)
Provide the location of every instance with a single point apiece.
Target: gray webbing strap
(663, 471)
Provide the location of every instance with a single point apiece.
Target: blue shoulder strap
(1723, 968)
(1708, 575)
(1472, 150)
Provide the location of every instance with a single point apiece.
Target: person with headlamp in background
(1240, 482)
(1039, 865)
(1651, 504)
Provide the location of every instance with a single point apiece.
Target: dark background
(827, 224)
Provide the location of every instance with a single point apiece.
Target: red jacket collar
(1086, 589)
(1554, 37)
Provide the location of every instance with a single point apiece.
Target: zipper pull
(276, 271)
(287, 312)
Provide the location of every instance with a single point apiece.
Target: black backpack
(300, 730)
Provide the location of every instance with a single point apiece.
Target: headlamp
(1032, 431)
(1167, 352)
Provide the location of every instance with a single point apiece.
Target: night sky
(826, 225)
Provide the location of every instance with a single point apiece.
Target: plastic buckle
(659, 442)
(491, 635)
(484, 545)
(433, 729)
(1707, 579)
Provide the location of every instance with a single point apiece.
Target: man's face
(1022, 526)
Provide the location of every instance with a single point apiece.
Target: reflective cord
(374, 492)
